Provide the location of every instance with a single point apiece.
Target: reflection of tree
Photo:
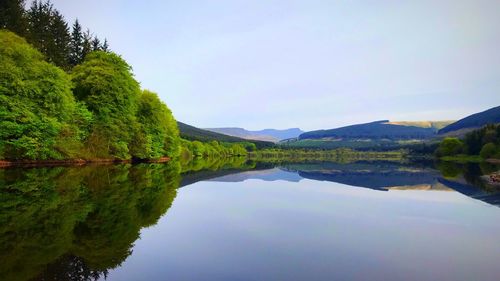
(83, 220)
(449, 169)
(72, 268)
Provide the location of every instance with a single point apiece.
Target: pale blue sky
(307, 64)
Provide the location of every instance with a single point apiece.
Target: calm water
(248, 221)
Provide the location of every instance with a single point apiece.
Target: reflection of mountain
(265, 175)
(372, 180)
(492, 198)
(377, 176)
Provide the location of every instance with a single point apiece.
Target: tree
(86, 44)
(36, 104)
(158, 134)
(104, 82)
(59, 53)
(105, 46)
(489, 150)
(49, 32)
(76, 44)
(449, 147)
(96, 44)
(13, 17)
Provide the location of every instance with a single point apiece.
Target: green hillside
(192, 133)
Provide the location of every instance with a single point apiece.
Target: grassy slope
(192, 133)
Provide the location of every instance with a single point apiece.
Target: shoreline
(75, 162)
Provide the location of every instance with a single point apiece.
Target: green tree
(96, 44)
(13, 17)
(105, 46)
(76, 44)
(450, 146)
(158, 134)
(489, 150)
(49, 32)
(86, 44)
(104, 82)
(36, 104)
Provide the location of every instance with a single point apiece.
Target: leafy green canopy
(35, 104)
(104, 82)
(158, 134)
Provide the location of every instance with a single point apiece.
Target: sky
(308, 64)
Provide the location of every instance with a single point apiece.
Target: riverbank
(75, 162)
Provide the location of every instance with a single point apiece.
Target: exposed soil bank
(75, 162)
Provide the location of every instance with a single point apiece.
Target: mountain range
(383, 129)
(192, 133)
(383, 133)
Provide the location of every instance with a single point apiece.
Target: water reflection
(77, 223)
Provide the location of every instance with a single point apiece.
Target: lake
(240, 220)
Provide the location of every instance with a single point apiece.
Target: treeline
(214, 149)
(96, 111)
(484, 142)
(336, 155)
(45, 28)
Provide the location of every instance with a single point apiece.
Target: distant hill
(383, 129)
(272, 135)
(490, 116)
(192, 133)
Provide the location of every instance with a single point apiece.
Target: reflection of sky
(311, 230)
(313, 64)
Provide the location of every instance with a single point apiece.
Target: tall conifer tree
(76, 44)
(13, 16)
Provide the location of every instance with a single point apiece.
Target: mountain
(383, 129)
(272, 135)
(474, 121)
(192, 133)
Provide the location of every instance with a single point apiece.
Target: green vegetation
(476, 146)
(196, 134)
(39, 117)
(336, 155)
(92, 214)
(158, 134)
(191, 149)
(97, 112)
(44, 27)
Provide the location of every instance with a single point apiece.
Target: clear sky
(308, 64)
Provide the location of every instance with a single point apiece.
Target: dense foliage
(158, 134)
(214, 149)
(484, 142)
(39, 117)
(104, 82)
(97, 112)
(45, 28)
